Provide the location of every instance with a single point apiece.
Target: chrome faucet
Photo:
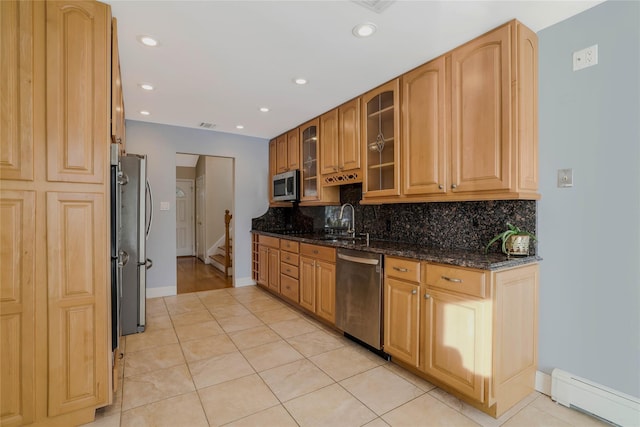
(352, 228)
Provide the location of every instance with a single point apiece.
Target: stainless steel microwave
(286, 186)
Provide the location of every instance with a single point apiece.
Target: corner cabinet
(55, 317)
(381, 141)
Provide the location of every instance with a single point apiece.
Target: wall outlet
(565, 178)
(164, 206)
(584, 58)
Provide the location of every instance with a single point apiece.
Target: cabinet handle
(440, 187)
(341, 168)
(315, 251)
(449, 279)
(400, 269)
(427, 296)
(454, 186)
(413, 292)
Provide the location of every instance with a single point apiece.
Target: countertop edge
(459, 258)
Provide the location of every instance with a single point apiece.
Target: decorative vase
(517, 244)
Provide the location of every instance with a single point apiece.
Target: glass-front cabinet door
(310, 169)
(381, 142)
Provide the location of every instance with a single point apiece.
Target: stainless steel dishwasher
(359, 295)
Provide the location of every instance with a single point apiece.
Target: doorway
(207, 184)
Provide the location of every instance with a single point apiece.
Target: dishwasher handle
(359, 260)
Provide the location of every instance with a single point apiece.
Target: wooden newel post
(227, 242)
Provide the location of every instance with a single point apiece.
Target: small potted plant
(515, 241)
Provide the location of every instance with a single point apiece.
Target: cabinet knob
(413, 292)
(427, 296)
(440, 186)
(454, 186)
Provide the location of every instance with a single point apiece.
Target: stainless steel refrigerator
(136, 214)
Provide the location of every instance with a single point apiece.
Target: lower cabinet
(318, 280)
(472, 332)
(289, 272)
(269, 263)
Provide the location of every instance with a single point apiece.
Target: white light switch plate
(586, 57)
(565, 178)
(164, 206)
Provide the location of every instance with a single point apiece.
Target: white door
(200, 206)
(184, 217)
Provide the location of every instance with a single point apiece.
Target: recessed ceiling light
(145, 113)
(264, 109)
(239, 127)
(146, 86)
(364, 30)
(300, 81)
(148, 41)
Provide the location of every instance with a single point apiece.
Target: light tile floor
(241, 357)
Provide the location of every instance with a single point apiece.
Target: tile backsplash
(445, 225)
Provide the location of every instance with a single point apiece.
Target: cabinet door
(293, 149)
(456, 350)
(329, 150)
(263, 265)
(77, 278)
(381, 140)
(326, 290)
(308, 284)
(78, 40)
(282, 151)
(273, 168)
(117, 101)
(481, 113)
(17, 304)
(20, 101)
(274, 270)
(423, 134)
(349, 136)
(309, 173)
(401, 313)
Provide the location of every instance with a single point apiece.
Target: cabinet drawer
(289, 258)
(470, 282)
(273, 242)
(318, 252)
(289, 287)
(289, 270)
(289, 245)
(402, 268)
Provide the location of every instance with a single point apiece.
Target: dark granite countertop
(461, 258)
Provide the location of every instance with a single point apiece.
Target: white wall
(219, 186)
(589, 235)
(161, 143)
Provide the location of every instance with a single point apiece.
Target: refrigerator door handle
(150, 210)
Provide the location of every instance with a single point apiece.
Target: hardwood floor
(196, 276)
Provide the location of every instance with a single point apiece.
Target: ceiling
(218, 62)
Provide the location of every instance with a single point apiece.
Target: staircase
(221, 258)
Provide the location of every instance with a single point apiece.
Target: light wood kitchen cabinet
(340, 130)
(494, 112)
(54, 322)
(269, 263)
(313, 192)
(318, 280)
(402, 309)
(117, 99)
(424, 168)
(288, 151)
(282, 154)
(289, 272)
(381, 140)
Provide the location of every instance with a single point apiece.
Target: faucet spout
(352, 226)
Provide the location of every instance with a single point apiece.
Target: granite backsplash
(439, 225)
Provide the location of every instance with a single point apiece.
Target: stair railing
(227, 242)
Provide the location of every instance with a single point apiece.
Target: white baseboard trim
(164, 291)
(543, 383)
(243, 281)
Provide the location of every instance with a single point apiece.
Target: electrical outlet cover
(565, 178)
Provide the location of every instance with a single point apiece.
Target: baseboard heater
(610, 405)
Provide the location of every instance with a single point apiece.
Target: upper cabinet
(423, 129)
(380, 140)
(312, 191)
(288, 151)
(340, 129)
(117, 100)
